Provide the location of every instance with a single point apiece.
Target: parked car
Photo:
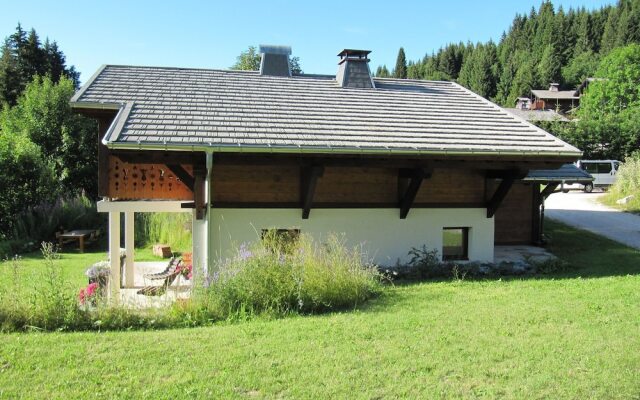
(603, 171)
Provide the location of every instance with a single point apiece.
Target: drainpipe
(209, 198)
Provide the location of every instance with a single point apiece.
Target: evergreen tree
(477, 71)
(610, 34)
(401, 65)
(23, 57)
(382, 72)
(549, 67)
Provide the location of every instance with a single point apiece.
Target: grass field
(73, 264)
(575, 335)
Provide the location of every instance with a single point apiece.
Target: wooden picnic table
(79, 234)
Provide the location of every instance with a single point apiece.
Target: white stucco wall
(386, 237)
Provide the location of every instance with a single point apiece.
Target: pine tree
(401, 65)
(24, 57)
(478, 73)
(9, 79)
(549, 67)
(382, 72)
(610, 34)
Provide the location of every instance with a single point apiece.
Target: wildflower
(82, 296)
(91, 289)
(243, 252)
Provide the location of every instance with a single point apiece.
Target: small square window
(455, 244)
(280, 240)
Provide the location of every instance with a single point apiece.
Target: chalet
(392, 164)
(555, 99)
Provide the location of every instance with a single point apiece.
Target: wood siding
(145, 181)
(514, 217)
(255, 184)
(377, 187)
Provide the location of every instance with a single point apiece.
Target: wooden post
(114, 254)
(129, 271)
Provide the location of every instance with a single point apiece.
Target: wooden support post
(499, 195)
(308, 180)
(536, 200)
(129, 243)
(182, 174)
(114, 254)
(538, 234)
(408, 192)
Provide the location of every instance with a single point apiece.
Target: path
(582, 210)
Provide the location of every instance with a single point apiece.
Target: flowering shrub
(89, 294)
(186, 270)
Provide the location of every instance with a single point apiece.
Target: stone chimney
(275, 60)
(554, 87)
(353, 69)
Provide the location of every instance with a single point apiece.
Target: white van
(603, 171)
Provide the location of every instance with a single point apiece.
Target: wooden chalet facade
(389, 163)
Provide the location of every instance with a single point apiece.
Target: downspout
(208, 235)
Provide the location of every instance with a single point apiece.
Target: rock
(625, 200)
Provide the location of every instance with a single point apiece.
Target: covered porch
(128, 277)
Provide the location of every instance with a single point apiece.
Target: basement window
(280, 240)
(455, 244)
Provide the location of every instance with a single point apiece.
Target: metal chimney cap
(354, 52)
(271, 49)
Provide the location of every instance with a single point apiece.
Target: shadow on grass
(588, 256)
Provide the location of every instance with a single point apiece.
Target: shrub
(304, 276)
(40, 223)
(26, 179)
(627, 183)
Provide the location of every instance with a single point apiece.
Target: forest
(547, 45)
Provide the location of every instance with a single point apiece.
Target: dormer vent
(353, 69)
(275, 60)
(554, 87)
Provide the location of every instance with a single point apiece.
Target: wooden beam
(385, 161)
(536, 203)
(308, 180)
(408, 195)
(160, 157)
(182, 174)
(509, 173)
(198, 192)
(550, 188)
(499, 195)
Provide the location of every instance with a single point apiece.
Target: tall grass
(39, 224)
(266, 277)
(627, 184)
(302, 276)
(173, 229)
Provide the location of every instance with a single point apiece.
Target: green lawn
(73, 265)
(575, 335)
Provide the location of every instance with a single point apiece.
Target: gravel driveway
(582, 210)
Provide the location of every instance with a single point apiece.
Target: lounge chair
(168, 276)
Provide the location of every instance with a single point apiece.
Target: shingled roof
(556, 94)
(220, 110)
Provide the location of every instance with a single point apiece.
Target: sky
(211, 34)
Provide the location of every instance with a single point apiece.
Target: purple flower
(244, 252)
